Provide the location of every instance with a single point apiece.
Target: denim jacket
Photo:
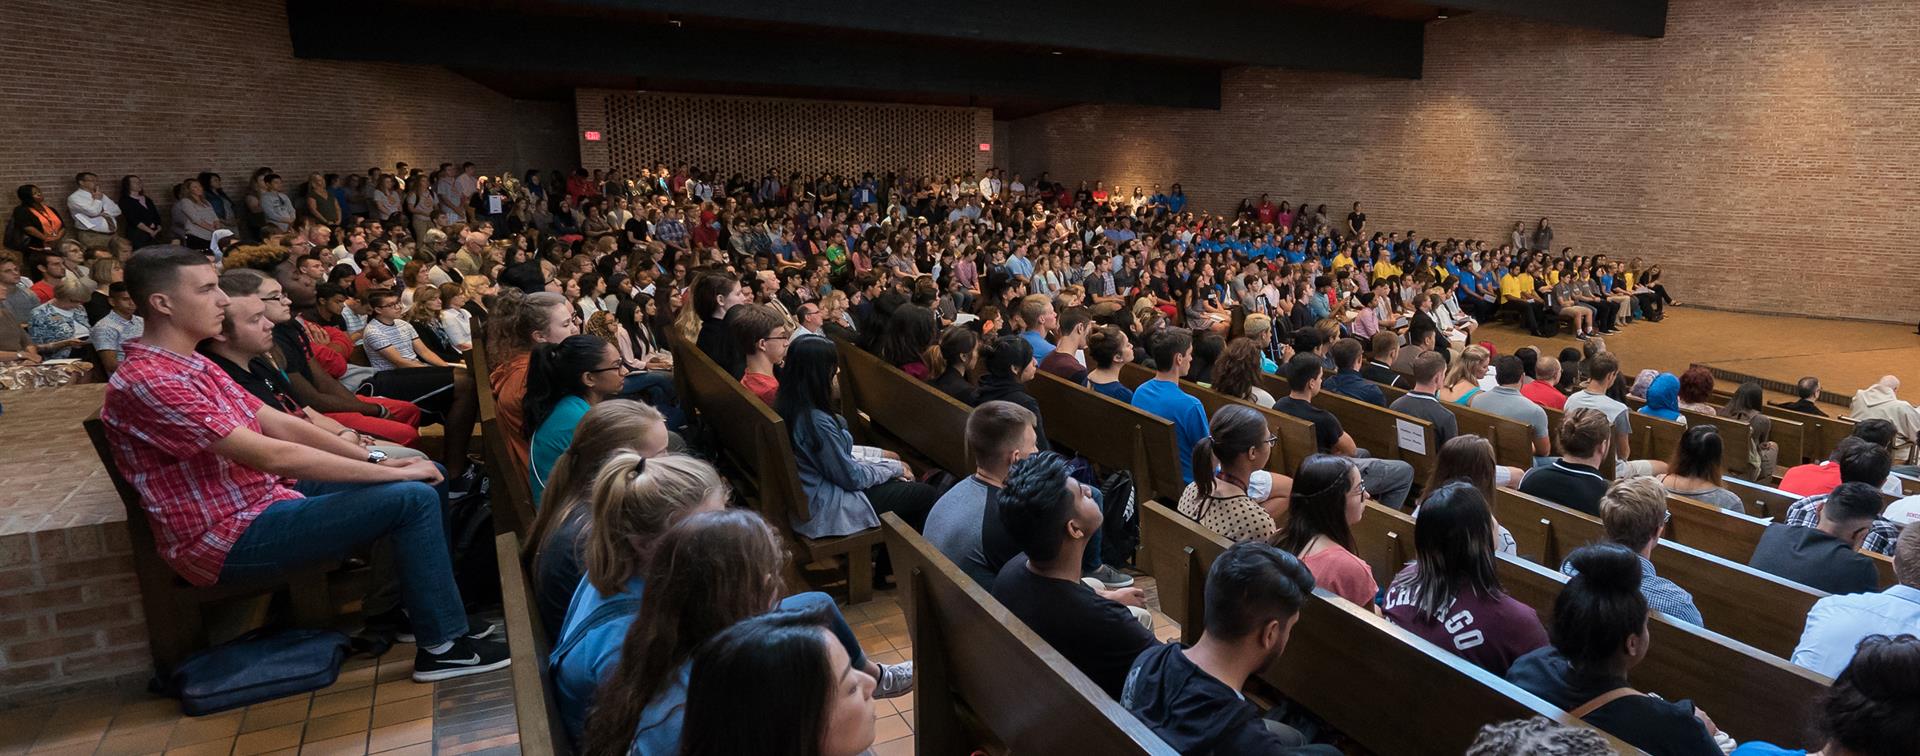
(835, 480)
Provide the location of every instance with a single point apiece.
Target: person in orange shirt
(518, 323)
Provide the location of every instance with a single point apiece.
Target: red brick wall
(69, 610)
(1762, 151)
(752, 134)
(168, 88)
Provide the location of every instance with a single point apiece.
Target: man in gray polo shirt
(1602, 370)
(1420, 401)
(1506, 401)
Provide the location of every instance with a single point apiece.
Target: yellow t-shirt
(1510, 288)
(1385, 269)
(1626, 279)
(1341, 260)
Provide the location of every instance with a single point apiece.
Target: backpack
(1120, 534)
(476, 565)
(259, 666)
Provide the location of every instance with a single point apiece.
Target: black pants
(1661, 291)
(1650, 305)
(910, 499)
(430, 388)
(1606, 313)
(1532, 315)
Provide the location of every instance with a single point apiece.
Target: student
(1063, 360)
(1450, 595)
(1538, 736)
(957, 366)
(1470, 458)
(1381, 355)
(1191, 697)
(1574, 480)
(555, 544)
(1036, 313)
(1837, 624)
(1820, 477)
(911, 330)
(1237, 372)
(1465, 377)
(1052, 519)
(1546, 371)
(517, 324)
(1825, 557)
(1860, 461)
(211, 464)
(845, 493)
(410, 371)
(708, 572)
(1006, 365)
(1347, 357)
(965, 523)
(1327, 499)
(1107, 349)
(762, 336)
(1420, 340)
(1603, 371)
(808, 700)
(1223, 495)
(564, 381)
(1663, 399)
(1388, 479)
(1804, 392)
(1505, 400)
(1161, 396)
(1420, 401)
(1599, 634)
(1694, 471)
(1634, 514)
(712, 296)
(1870, 709)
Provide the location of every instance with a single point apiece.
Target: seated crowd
(271, 370)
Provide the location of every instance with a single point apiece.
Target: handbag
(261, 665)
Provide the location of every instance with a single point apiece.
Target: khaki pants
(91, 239)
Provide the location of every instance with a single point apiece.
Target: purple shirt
(1490, 632)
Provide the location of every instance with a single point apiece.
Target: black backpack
(476, 566)
(1120, 534)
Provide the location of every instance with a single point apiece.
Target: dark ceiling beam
(1229, 32)
(1643, 18)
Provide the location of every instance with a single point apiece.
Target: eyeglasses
(604, 369)
(273, 298)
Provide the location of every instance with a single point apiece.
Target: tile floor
(375, 708)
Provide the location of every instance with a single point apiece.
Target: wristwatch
(376, 456)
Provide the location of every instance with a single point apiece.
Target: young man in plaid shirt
(236, 490)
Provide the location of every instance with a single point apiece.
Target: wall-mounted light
(591, 136)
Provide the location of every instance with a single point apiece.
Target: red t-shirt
(1338, 570)
(762, 385)
(1544, 394)
(1490, 632)
(1811, 480)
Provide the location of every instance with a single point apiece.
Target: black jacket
(1195, 713)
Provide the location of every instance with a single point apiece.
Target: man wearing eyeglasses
(813, 321)
(410, 371)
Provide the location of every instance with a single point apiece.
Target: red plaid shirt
(162, 412)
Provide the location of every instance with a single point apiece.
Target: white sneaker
(896, 680)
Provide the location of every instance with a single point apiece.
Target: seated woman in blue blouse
(846, 492)
(564, 380)
(1873, 708)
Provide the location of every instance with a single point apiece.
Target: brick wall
(1762, 151)
(752, 134)
(168, 88)
(69, 610)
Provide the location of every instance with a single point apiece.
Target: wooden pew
(876, 396)
(1336, 641)
(1819, 435)
(1374, 428)
(1748, 692)
(1112, 434)
(1713, 530)
(1654, 438)
(754, 443)
(1735, 438)
(967, 647)
(514, 512)
(1512, 440)
(1296, 435)
(1734, 600)
(534, 708)
(1769, 502)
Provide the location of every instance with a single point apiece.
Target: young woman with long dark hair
(845, 493)
(1326, 500)
(807, 699)
(564, 381)
(1450, 595)
(1224, 495)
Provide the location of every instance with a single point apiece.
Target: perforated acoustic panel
(753, 134)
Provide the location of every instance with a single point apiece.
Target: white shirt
(91, 214)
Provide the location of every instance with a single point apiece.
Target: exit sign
(593, 136)
(986, 147)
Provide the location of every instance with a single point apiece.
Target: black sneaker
(396, 624)
(466, 657)
(465, 485)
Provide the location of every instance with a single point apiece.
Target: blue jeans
(654, 387)
(815, 601)
(335, 519)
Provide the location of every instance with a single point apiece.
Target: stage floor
(1844, 354)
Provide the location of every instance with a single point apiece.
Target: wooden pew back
(967, 647)
(1512, 440)
(1296, 435)
(1374, 428)
(1112, 434)
(1735, 437)
(1724, 534)
(933, 424)
(535, 710)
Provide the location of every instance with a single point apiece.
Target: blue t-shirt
(582, 655)
(1762, 748)
(551, 440)
(659, 731)
(1116, 389)
(1040, 346)
(1189, 418)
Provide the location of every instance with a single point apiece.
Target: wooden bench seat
(534, 707)
(754, 445)
(982, 674)
(1112, 434)
(877, 399)
(1374, 428)
(1339, 654)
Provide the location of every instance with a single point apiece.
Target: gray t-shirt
(400, 335)
(1508, 402)
(1615, 411)
(1426, 407)
(1718, 497)
(957, 527)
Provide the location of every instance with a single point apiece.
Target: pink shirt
(1337, 569)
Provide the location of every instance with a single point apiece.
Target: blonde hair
(635, 499)
(475, 286)
(421, 296)
(611, 427)
(1474, 357)
(1633, 509)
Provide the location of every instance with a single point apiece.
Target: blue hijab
(1663, 398)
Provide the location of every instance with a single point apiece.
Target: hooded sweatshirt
(1663, 399)
(1879, 402)
(1195, 713)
